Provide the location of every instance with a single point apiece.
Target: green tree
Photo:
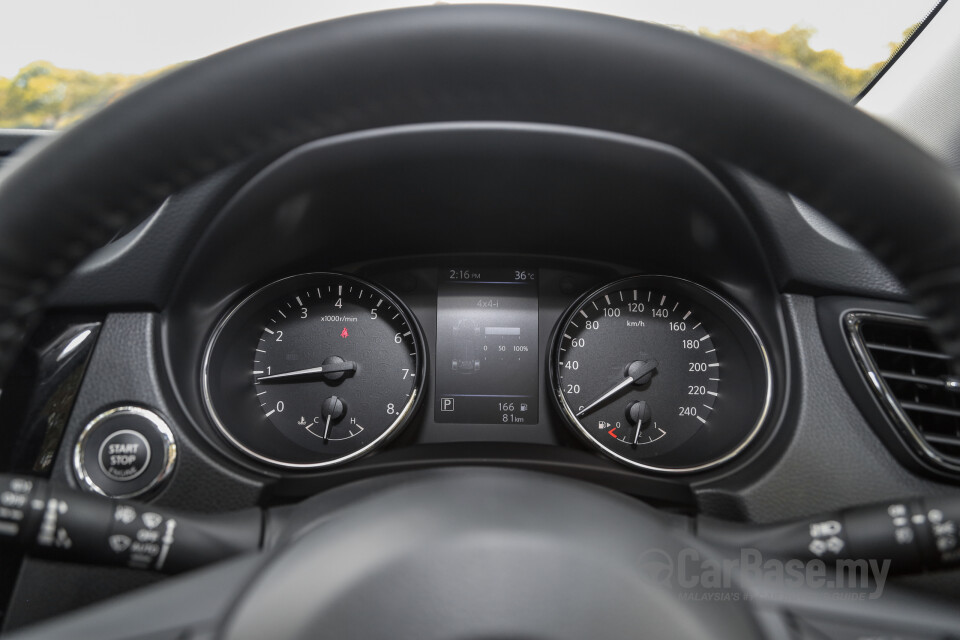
(45, 96)
(792, 48)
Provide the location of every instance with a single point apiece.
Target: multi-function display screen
(487, 338)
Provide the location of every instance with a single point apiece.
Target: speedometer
(661, 373)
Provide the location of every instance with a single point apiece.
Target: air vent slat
(943, 411)
(911, 377)
(910, 352)
(906, 377)
(953, 441)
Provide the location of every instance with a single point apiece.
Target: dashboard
(490, 294)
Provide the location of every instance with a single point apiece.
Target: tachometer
(661, 373)
(313, 370)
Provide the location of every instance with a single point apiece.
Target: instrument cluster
(658, 373)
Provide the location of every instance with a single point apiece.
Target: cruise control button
(124, 455)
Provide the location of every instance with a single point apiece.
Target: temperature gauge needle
(333, 367)
(332, 408)
(636, 371)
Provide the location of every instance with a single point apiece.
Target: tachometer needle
(334, 367)
(635, 371)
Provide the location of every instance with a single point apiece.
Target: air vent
(911, 378)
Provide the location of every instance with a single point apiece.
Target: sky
(135, 36)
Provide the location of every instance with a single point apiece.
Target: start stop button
(124, 455)
(124, 452)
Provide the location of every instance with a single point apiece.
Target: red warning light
(344, 333)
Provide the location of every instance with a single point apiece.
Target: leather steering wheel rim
(66, 196)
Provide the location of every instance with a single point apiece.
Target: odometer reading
(641, 369)
(334, 368)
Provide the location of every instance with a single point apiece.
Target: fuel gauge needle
(635, 371)
(334, 367)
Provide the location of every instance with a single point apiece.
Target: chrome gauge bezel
(411, 406)
(554, 355)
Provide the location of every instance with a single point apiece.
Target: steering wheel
(465, 552)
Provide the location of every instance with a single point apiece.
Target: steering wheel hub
(480, 553)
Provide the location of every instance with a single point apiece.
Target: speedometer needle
(333, 367)
(635, 371)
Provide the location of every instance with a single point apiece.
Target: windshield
(79, 56)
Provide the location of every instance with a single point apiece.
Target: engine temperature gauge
(313, 370)
(661, 374)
